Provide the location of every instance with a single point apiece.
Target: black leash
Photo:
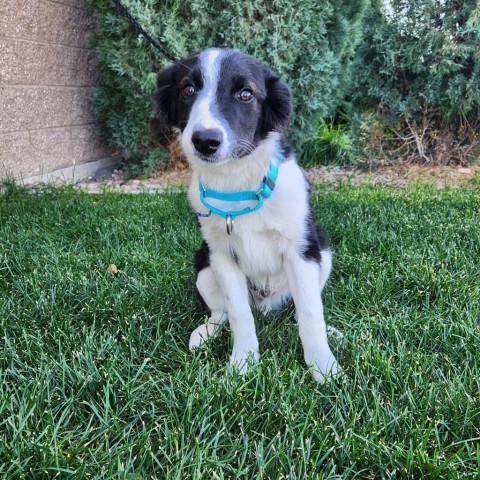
(146, 35)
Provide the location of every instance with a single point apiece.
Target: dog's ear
(277, 106)
(164, 95)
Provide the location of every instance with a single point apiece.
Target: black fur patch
(201, 260)
(277, 106)
(237, 73)
(317, 241)
(172, 106)
(286, 148)
(234, 255)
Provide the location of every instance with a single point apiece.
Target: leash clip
(229, 223)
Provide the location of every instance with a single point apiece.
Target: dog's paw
(323, 366)
(243, 360)
(203, 333)
(335, 333)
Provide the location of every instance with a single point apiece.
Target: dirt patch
(398, 176)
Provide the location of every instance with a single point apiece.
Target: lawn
(96, 380)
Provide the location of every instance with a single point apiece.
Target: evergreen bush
(309, 43)
(416, 88)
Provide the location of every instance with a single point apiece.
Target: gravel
(396, 176)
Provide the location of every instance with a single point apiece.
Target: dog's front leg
(304, 282)
(233, 283)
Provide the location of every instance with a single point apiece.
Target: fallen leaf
(113, 269)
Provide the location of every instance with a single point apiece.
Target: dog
(261, 246)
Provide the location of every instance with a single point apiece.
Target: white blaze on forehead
(203, 110)
(204, 114)
(209, 64)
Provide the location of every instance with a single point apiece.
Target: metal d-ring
(230, 224)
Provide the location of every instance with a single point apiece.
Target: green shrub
(331, 146)
(416, 88)
(309, 43)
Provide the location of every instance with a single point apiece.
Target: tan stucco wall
(47, 74)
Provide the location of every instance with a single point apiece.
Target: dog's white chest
(258, 254)
(259, 240)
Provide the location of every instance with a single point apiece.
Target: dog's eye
(189, 91)
(245, 95)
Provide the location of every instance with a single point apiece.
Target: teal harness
(265, 191)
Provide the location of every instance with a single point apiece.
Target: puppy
(261, 245)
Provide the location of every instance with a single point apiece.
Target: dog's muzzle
(207, 141)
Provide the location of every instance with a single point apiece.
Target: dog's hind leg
(210, 293)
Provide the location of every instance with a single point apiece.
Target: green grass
(96, 380)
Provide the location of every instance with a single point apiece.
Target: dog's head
(224, 102)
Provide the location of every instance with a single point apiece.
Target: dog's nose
(207, 141)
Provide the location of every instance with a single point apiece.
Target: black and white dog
(261, 245)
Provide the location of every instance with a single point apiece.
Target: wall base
(70, 175)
